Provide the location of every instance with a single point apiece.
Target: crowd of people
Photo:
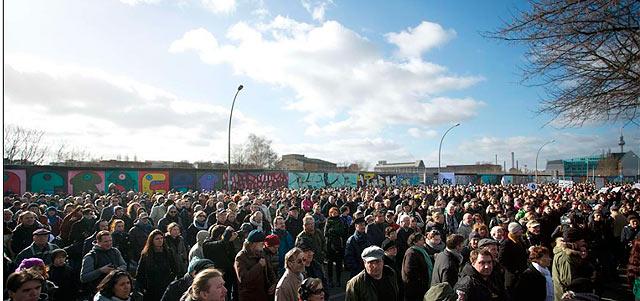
(475, 242)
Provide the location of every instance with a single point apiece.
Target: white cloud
(116, 115)
(422, 133)
(412, 42)
(350, 150)
(220, 6)
(317, 8)
(136, 2)
(334, 72)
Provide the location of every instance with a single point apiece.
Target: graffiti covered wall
(299, 180)
(85, 180)
(256, 180)
(124, 180)
(153, 181)
(14, 181)
(47, 181)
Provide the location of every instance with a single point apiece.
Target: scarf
(548, 280)
(427, 259)
(256, 224)
(200, 226)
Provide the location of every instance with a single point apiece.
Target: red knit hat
(272, 240)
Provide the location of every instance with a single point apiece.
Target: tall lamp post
(229, 141)
(537, 154)
(440, 147)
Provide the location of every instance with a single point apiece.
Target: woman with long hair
(157, 267)
(633, 268)
(116, 286)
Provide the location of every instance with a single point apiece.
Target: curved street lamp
(229, 144)
(440, 147)
(537, 154)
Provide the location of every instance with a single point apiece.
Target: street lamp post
(440, 147)
(537, 154)
(229, 141)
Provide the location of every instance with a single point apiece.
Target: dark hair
(414, 237)
(17, 279)
(148, 246)
(102, 234)
(105, 287)
(309, 287)
(454, 240)
(477, 252)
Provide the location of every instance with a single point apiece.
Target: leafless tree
(255, 153)
(65, 153)
(585, 54)
(24, 146)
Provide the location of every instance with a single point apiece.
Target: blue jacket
(353, 252)
(286, 244)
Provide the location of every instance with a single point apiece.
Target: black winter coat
(155, 272)
(531, 286)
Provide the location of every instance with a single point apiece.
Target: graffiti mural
(48, 181)
(299, 180)
(124, 180)
(85, 180)
(366, 178)
(408, 180)
(208, 181)
(489, 179)
(15, 181)
(153, 181)
(256, 180)
(183, 181)
(466, 179)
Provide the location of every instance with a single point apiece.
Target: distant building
(407, 167)
(470, 169)
(611, 164)
(302, 163)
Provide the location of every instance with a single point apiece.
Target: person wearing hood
(196, 250)
(100, 261)
(54, 220)
(117, 286)
(170, 217)
(178, 287)
(138, 235)
(199, 224)
(219, 248)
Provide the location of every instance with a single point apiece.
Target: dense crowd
(476, 242)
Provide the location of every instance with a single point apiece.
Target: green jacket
(318, 244)
(565, 261)
(360, 288)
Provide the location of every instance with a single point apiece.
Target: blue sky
(339, 80)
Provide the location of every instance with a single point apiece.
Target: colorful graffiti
(85, 180)
(366, 178)
(125, 180)
(490, 179)
(207, 181)
(466, 179)
(256, 180)
(408, 180)
(299, 180)
(14, 181)
(48, 181)
(153, 181)
(183, 181)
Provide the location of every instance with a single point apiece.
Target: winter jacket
(531, 286)
(286, 244)
(353, 252)
(335, 232)
(294, 225)
(287, 288)
(94, 260)
(362, 287)
(177, 288)
(33, 251)
(565, 264)
(402, 240)
(318, 244)
(446, 267)
(67, 281)
(416, 273)
(22, 236)
(166, 220)
(101, 297)
(121, 242)
(157, 213)
(192, 232)
(252, 282)
(179, 250)
(475, 288)
(513, 258)
(156, 270)
(137, 238)
(375, 233)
